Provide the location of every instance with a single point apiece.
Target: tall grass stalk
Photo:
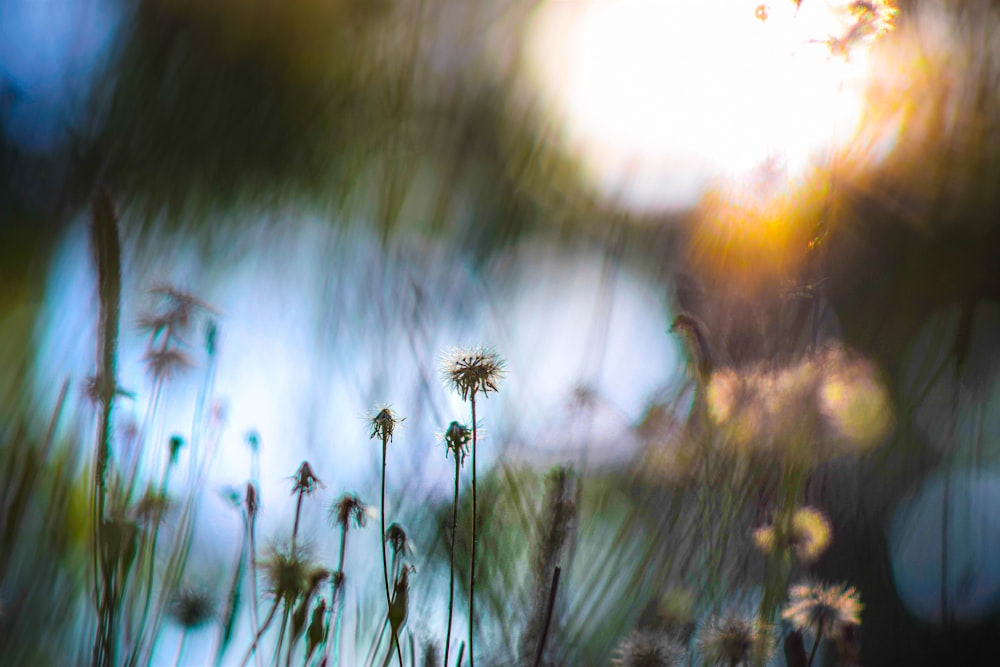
(107, 254)
(456, 440)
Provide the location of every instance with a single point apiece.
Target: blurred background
(349, 189)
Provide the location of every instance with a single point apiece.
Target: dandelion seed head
(175, 445)
(167, 362)
(384, 423)
(306, 481)
(825, 610)
(649, 649)
(192, 607)
(286, 572)
(456, 438)
(396, 538)
(734, 638)
(472, 370)
(349, 509)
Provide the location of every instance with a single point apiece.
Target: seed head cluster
(456, 439)
(808, 534)
(649, 649)
(384, 424)
(349, 510)
(735, 639)
(472, 370)
(825, 610)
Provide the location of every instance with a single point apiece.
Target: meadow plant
(734, 638)
(469, 371)
(649, 649)
(383, 425)
(826, 611)
(456, 438)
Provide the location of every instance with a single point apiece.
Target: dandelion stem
(336, 601)
(451, 583)
(260, 633)
(281, 632)
(180, 648)
(472, 558)
(298, 513)
(252, 528)
(385, 563)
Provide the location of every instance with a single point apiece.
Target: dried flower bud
(305, 480)
(384, 423)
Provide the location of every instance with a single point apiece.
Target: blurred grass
(207, 114)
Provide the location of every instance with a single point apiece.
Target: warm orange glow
(661, 99)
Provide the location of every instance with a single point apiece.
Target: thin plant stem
(298, 513)
(336, 604)
(252, 528)
(451, 570)
(260, 633)
(472, 556)
(385, 563)
(180, 648)
(281, 632)
(461, 652)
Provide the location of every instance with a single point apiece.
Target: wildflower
(192, 608)
(316, 632)
(400, 598)
(286, 572)
(395, 537)
(181, 304)
(733, 639)
(350, 509)
(251, 501)
(825, 610)
(313, 580)
(649, 649)
(384, 424)
(472, 370)
(175, 445)
(761, 13)
(398, 608)
(808, 534)
(166, 362)
(456, 439)
(305, 480)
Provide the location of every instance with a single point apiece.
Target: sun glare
(658, 99)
